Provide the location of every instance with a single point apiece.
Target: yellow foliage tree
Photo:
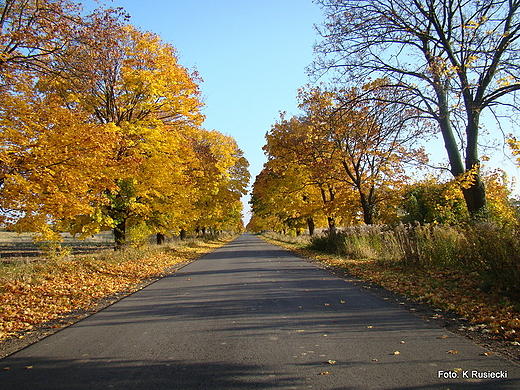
(351, 147)
(222, 181)
(298, 160)
(132, 80)
(54, 163)
(368, 140)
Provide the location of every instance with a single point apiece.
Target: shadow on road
(138, 374)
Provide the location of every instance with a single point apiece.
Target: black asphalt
(253, 316)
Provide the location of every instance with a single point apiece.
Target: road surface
(253, 316)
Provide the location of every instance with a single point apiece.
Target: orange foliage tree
(101, 129)
(53, 162)
(351, 146)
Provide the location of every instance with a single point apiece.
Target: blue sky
(251, 55)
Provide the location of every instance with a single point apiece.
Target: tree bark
(310, 224)
(368, 208)
(120, 235)
(475, 196)
(183, 234)
(332, 225)
(160, 238)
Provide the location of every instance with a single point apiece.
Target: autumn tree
(101, 129)
(132, 80)
(297, 146)
(222, 179)
(33, 33)
(265, 204)
(54, 163)
(286, 198)
(368, 141)
(454, 59)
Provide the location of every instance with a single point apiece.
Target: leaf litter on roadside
(58, 287)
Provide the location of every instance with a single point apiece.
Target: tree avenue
(101, 129)
(403, 72)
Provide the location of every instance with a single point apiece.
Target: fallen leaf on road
(324, 373)
(327, 304)
(342, 302)
(396, 353)
(452, 352)
(375, 360)
(370, 327)
(331, 362)
(487, 353)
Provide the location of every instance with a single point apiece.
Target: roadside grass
(461, 289)
(34, 291)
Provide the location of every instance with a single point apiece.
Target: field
(14, 246)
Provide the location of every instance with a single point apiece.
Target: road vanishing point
(253, 316)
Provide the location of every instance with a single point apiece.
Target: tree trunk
(120, 235)
(310, 224)
(450, 143)
(368, 208)
(183, 234)
(160, 238)
(332, 225)
(475, 196)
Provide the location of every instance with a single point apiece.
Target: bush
(430, 245)
(358, 242)
(495, 253)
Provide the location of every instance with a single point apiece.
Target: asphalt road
(253, 316)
